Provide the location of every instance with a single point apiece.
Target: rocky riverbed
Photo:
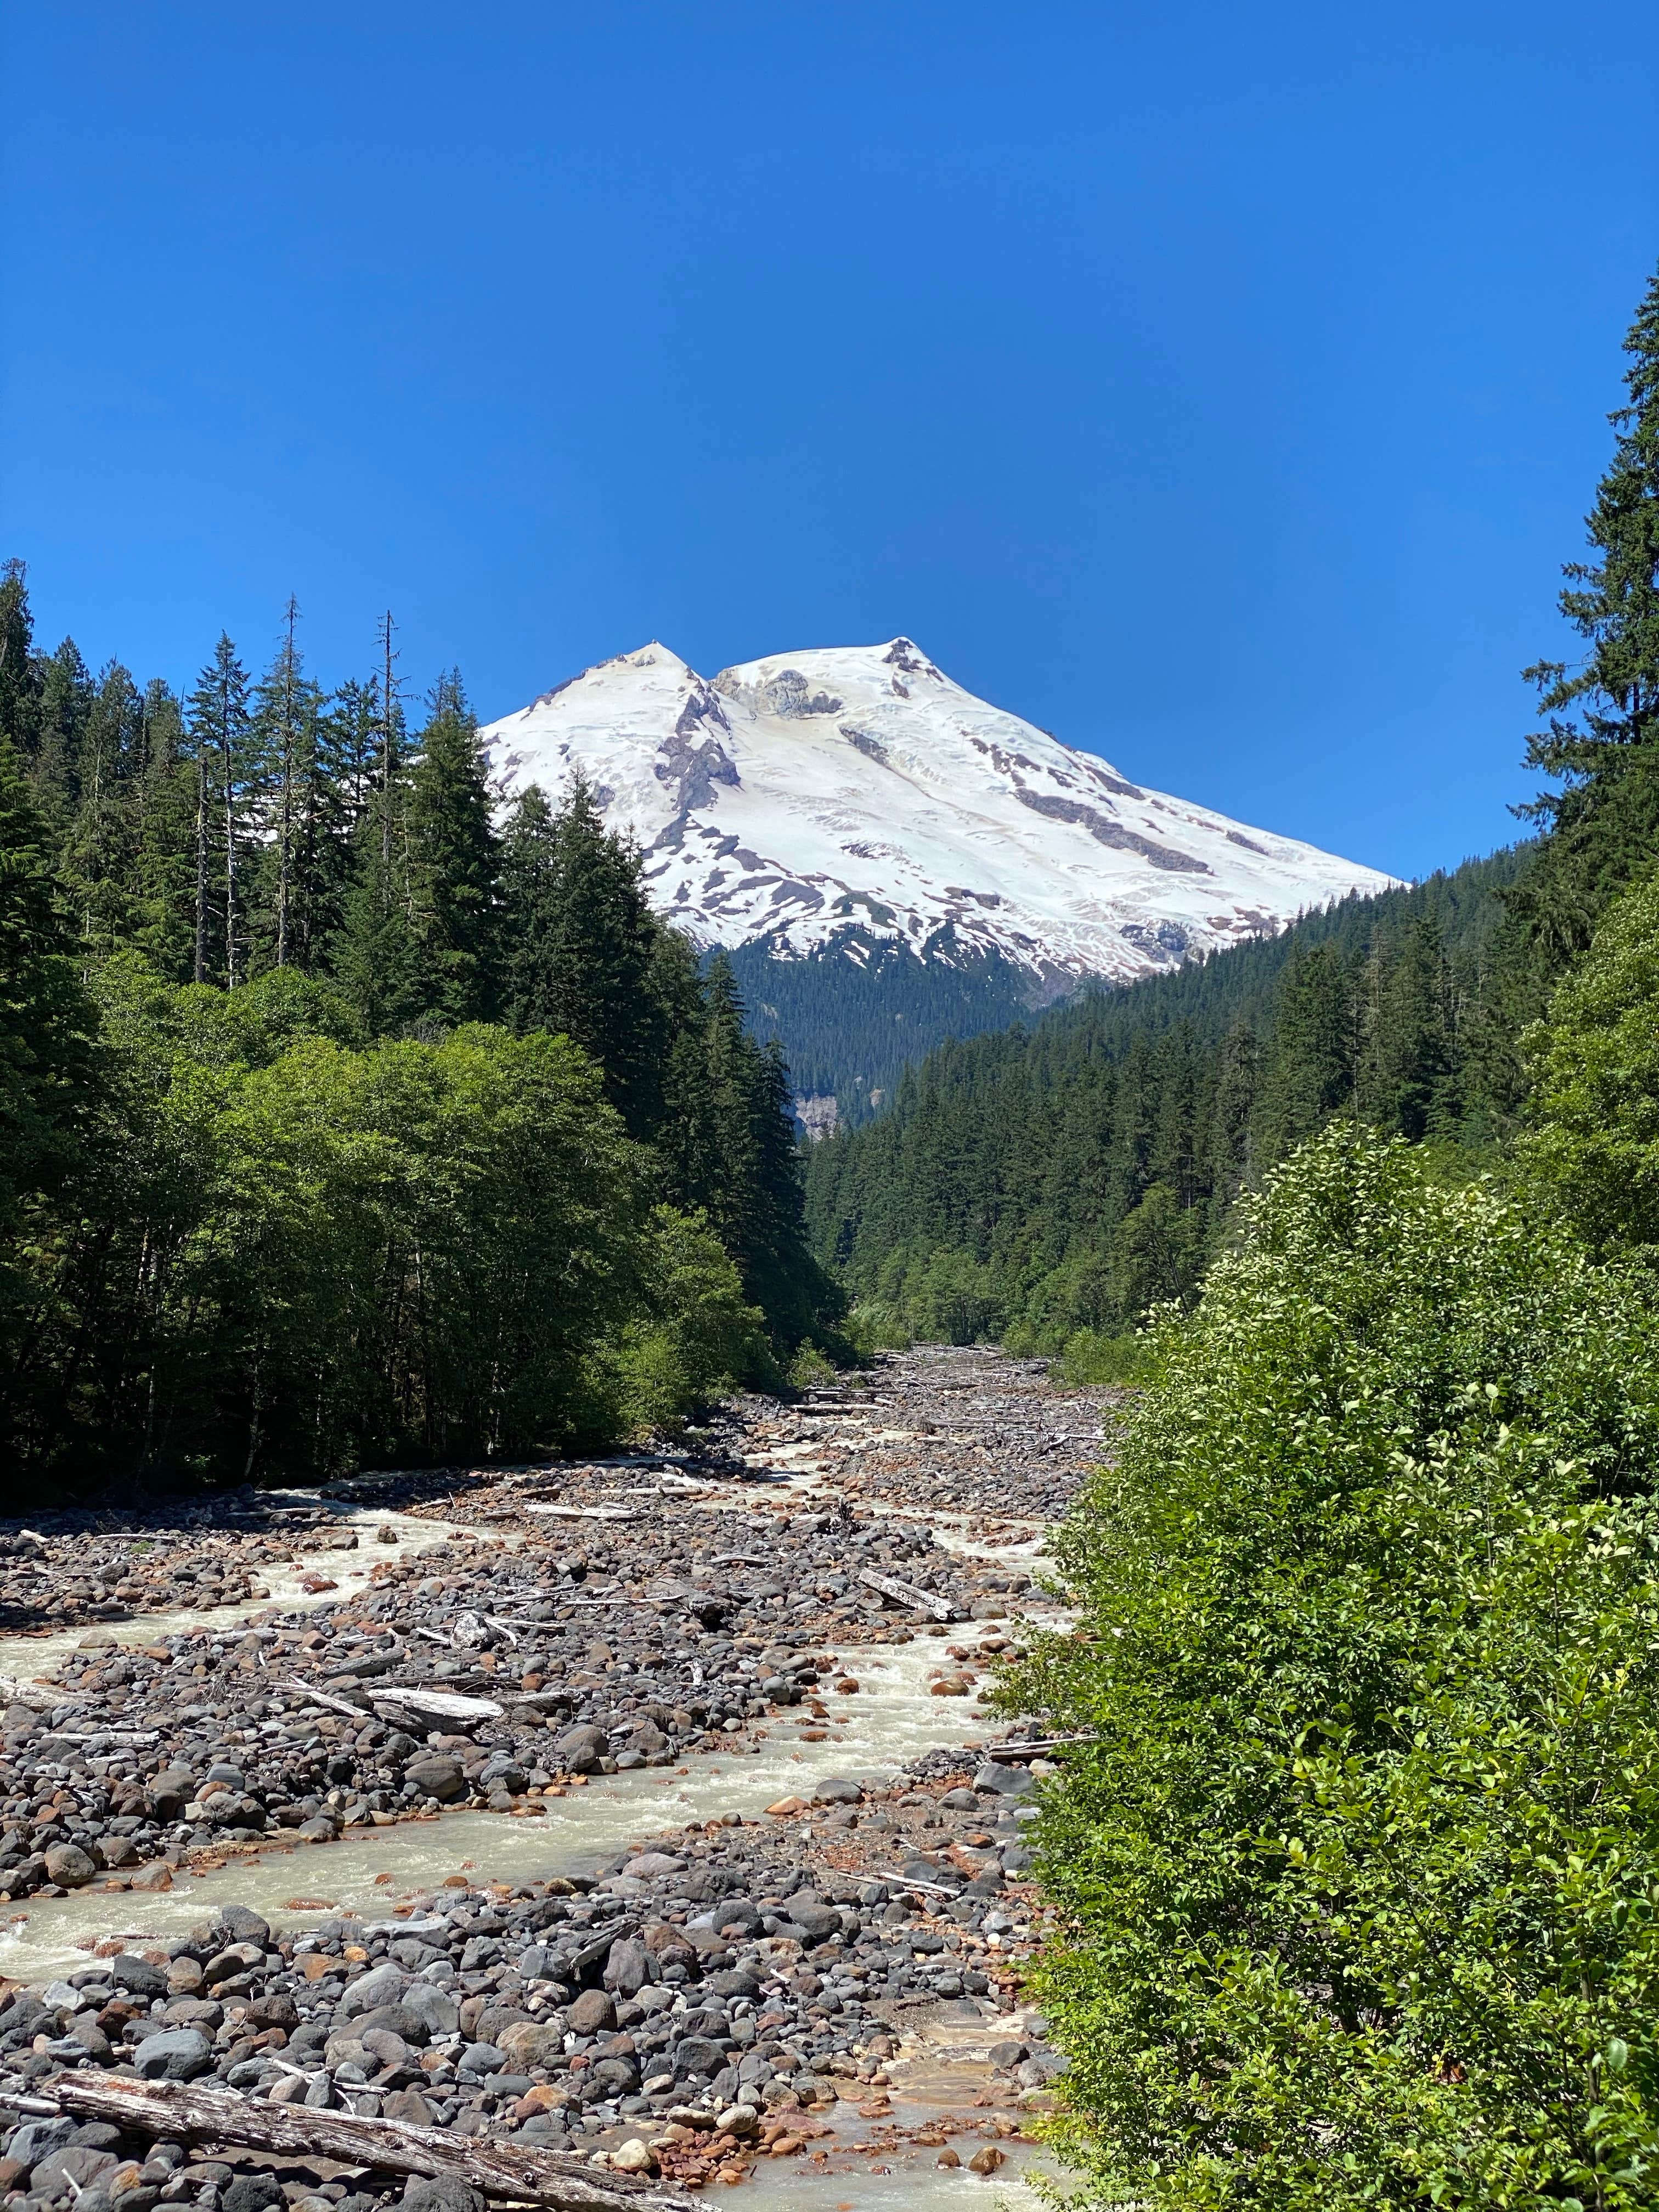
(774, 1982)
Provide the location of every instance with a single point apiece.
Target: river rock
(593, 2011)
(178, 2055)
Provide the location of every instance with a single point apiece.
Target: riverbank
(736, 1875)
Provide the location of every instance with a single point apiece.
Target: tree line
(1048, 1183)
(345, 1119)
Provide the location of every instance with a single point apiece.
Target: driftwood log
(908, 1594)
(587, 1512)
(429, 1704)
(179, 2112)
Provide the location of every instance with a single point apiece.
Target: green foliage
(46, 1028)
(695, 1339)
(1604, 819)
(1596, 1067)
(1358, 1869)
(1086, 1357)
(452, 868)
(1079, 1171)
(282, 1200)
(305, 1255)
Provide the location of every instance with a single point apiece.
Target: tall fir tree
(65, 695)
(454, 863)
(19, 679)
(1601, 745)
(579, 941)
(47, 1091)
(220, 725)
(164, 866)
(377, 955)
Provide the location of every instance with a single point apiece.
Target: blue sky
(1221, 388)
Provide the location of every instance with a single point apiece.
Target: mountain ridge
(836, 798)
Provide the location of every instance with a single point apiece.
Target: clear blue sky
(1221, 387)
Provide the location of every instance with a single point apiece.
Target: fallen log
(908, 1594)
(325, 1698)
(587, 1512)
(180, 2111)
(1008, 1754)
(435, 1704)
(429, 1704)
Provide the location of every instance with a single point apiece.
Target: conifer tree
(219, 729)
(579, 946)
(164, 868)
(97, 862)
(46, 1026)
(64, 709)
(1601, 743)
(377, 955)
(452, 863)
(18, 682)
(305, 862)
(1311, 1069)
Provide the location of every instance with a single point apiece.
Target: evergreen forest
(342, 1121)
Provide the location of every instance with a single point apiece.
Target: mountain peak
(842, 794)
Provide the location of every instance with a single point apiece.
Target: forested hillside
(849, 1026)
(338, 1126)
(1058, 1178)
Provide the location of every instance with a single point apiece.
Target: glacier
(855, 799)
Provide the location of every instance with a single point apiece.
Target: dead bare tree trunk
(179, 2112)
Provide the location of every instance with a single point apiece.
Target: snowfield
(855, 792)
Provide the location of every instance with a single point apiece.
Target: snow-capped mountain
(855, 794)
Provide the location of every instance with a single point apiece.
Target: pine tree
(282, 738)
(164, 869)
(46, 1090)
(1603, 821)
(377, 955)
(453, 862)
(219, 730)
(580, 946)
(19, 680)
(98, 858)
(65, 700)
(1311, 1067)
(307, 813)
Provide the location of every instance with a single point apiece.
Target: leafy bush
(1090, 1356)
(1359, 1867)
(697, 1338)
(1596, 1067)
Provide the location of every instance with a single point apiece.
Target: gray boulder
(435, 2009)
(629, 1966)
(383, 1986)
(179, 2054)
(441, 2192)
(579, 1750)
(35, 2139)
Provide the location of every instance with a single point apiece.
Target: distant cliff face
(827, 799)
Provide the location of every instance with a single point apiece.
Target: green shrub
(697, 1337)
(1358, 1872)
(1090, 1356)
(874, 1327)
(1595, 1063)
